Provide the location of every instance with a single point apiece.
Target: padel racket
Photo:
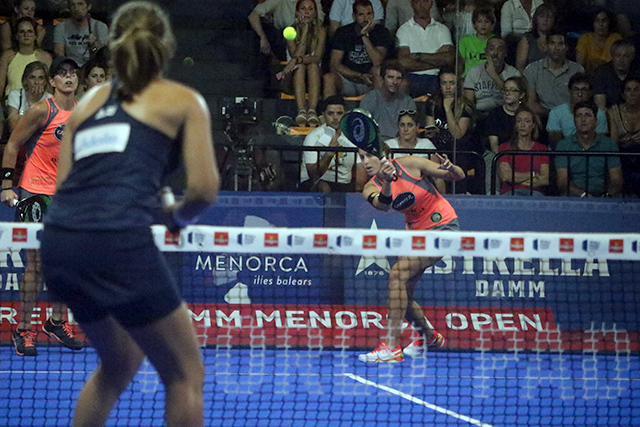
(32, 209)
(362, 130)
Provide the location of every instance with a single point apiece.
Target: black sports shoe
(24, 343)
(62, 333)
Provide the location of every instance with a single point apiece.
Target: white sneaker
(417, 348)
(383, 354)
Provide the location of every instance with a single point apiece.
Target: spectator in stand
(524, 175)
(357, 52)
(625, 130)
(328, 171)
(424, 45)
(607, 79)
(80, 36)
(397, 12)
(601, 176)
(21, 9)
(548, 78)
(269, 18)
(484, 83)
(472, 46)
(341, 14)
(93, 73)
(34, 89)
(561, 124)
(385, 102)
(516, 17)
(25, 51)
(594, 49)
(533, 45)
(302, 73)
(450, 120)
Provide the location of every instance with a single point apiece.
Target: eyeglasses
(66, 72)
(510, 90)
(403, 112)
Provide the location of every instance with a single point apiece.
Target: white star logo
(366, 261)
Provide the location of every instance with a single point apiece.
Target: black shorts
(102, 273)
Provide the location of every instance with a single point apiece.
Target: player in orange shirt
(406, 185)
(41, 129)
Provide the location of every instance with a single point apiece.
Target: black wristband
(385, 200)
(371, 197)
(8, 188)
(7, 173)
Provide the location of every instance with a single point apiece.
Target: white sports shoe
(418, 347)
(383, 354)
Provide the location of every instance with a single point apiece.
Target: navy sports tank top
(118, 167)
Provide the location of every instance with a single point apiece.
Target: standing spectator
(358, 50)
(522, 175)
(328, 171)
(21, 9)
(424, 45)
(472, 46)
(397, 12)
(594, 49)
(625, 130)
(533, 46)
(303, 72)
(484, 83)
(79, 36)
(549, 78)
(385, 102)
(34, 89)
(516, 17)
(341, 14)
(607, 78)
(269, 18)
(25, 51)
(561, 123)
(600, 176)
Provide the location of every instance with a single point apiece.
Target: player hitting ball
(404, 185)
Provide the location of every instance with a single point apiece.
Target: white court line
(418, 401)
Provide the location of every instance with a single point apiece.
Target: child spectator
(471, 47)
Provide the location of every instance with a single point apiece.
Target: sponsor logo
(634, 246)
(293, 240)
(403, 201)
(19, 235)
(436, 217)
(590, 246)
(320, 240)
(517, 244)
(59, 132)
(344, 241)
(442, 242)
(616, 246)
(369, 242)
(393, 242)
(418, 243)
(467, 243)
(492, 243)
(271, 239)
(221, 238)
(172, 239)
(246, 239)
(566, 245)
(196, 237)
(541, 244)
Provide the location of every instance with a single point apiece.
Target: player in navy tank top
(98, 253)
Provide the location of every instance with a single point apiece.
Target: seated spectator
(341, 14)
(516, 17)
(484, 83)
(533, 45)
(607, 79)
(502, 119)
(34, 89)
(548, 78)
(561, 124)
(93, 73)
(302, 73)
(397, 12)
(472, 46)
(269, 18)
(450, 119)
(21, 9)
(25, 51)
(81, 35)
(385, 102)
(594, 49)
(328, 171)
(522, 175)
(600, 176)
(625, 130)
(357, 52)
(424, 45)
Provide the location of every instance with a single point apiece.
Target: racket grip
(166, 197)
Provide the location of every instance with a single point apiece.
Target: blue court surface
(290, 387)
